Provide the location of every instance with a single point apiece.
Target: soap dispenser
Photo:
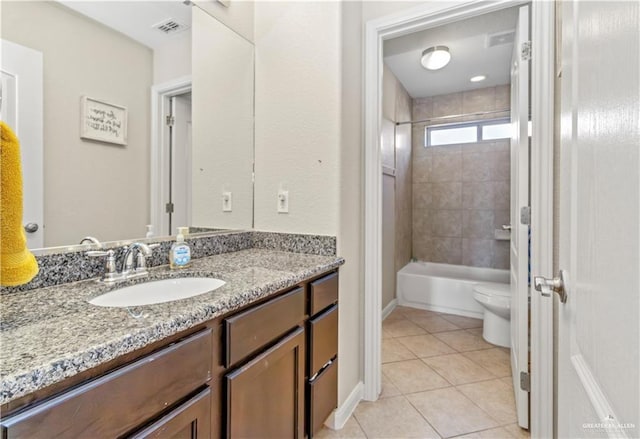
(180, 255)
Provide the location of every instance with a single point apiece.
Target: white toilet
(496, 301)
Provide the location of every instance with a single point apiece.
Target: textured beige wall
(82, 57)
(461, 193)
(297, 127)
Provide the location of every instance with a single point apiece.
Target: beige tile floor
(440, 379)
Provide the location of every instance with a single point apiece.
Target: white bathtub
(443, 287)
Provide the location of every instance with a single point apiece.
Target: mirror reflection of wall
(223, 85)
(114, 52)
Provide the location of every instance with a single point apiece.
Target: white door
(181, 162)
(599, 325)
(519, 231)
(21, 109)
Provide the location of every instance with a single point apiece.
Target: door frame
(542, 35)
(29, 128)
(159, 159)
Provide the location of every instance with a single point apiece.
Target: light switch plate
(283, 201)
(226, 201)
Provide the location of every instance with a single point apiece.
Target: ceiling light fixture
(478, 78)
(435, 58)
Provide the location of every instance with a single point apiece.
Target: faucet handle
(141, 258)
(110, 271)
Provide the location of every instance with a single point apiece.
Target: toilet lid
(493, 289)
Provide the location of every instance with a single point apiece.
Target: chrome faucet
(129, 271)
(92, 240)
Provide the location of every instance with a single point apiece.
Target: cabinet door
(265, 397)
(190, 420)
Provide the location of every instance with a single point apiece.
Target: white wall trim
(159, 155)
(341, 415)
(542, 115)
(372, 385)
(389, 308)
(425, 16)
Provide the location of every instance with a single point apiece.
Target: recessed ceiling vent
(170, 26)
(500, 38)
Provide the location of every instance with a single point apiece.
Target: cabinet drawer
(323, 339)
(324, 292)
(248, 331)
(323, 397)
(115, 403)
(189, 420)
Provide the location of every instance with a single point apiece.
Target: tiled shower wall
(461, 193)
(397, 199)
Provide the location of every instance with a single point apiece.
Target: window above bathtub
(467, 132)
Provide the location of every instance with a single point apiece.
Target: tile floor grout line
(488, 414)
(475, 363)
(424, 417)
(355, 418)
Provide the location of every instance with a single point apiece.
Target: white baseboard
(341, 415)
(389, 308)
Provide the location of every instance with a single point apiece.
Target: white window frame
(477, 123)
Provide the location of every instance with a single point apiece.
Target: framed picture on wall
(103, 121)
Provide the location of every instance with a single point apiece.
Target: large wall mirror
(147, 118)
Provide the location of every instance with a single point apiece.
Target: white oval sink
(158, 291)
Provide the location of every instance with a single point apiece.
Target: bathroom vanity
(256, 358)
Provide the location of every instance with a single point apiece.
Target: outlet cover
(283, 201)
(226, 201)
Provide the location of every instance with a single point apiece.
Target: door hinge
(169, 207)
(170, 121)
(525, 381)
(525, 51)
(525, 215)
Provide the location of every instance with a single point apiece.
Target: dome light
(435, 58)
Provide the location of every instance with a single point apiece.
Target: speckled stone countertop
(49, 334)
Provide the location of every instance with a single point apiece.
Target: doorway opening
(459, 160)
(171, 166)
(430, 17)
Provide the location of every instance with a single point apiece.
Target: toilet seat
(493, 289)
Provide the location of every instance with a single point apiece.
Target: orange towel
(17, 264)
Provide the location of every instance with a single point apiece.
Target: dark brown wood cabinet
(265, 397)
(322, 361)
(190, 420)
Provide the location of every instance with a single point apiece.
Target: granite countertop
(49, 334)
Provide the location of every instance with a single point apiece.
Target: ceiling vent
(170, 26)
(500, 38)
